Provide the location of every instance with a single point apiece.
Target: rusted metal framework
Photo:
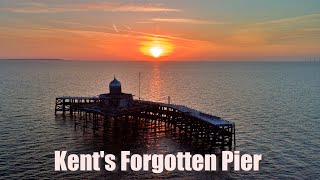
(210, 133)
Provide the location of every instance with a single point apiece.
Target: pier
(208, 132)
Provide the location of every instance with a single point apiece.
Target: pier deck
(211, 132)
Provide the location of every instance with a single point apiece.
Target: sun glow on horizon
(156, 47)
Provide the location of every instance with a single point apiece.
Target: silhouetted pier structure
(206, 131)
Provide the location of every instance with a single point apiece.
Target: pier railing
(212, 131)
(63, 103)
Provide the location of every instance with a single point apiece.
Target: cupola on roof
(115, 86)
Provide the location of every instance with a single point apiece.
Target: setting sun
(157, 47)
(156, 51)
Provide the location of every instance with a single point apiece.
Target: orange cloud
(183, 20)
(107, 6)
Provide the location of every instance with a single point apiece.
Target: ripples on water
(275, 107)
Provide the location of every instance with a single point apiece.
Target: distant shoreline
(36, 59)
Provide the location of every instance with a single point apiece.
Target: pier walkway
(211, 132)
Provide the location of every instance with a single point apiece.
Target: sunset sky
(160, 29)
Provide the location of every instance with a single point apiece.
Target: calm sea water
(276, 108)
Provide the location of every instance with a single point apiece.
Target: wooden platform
(208, 131)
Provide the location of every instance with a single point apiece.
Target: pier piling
(205, 131)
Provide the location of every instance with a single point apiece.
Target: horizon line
(160, 61)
